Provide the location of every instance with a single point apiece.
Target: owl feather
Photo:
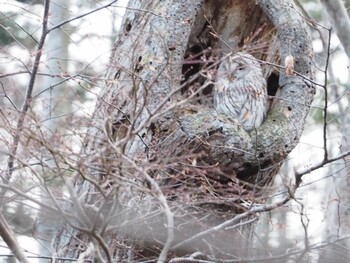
(240, 91)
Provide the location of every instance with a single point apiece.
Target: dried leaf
(289, 64)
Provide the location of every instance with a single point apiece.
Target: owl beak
(231, 77)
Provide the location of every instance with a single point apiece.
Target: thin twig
(5, 232)
(21, 27)
(28, 96)
(10, 240)
(235, 220)
(321, 164)
(169, 215)
(325, 111)
(80, 16)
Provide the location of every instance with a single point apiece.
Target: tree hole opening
(128, 27)
(272, 84)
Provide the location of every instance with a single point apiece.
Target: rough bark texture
(150, 122)
(254, 157)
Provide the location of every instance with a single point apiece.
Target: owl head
(237, 67)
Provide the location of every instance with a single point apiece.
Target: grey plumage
(240, 91)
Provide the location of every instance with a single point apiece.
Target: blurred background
(70, 76)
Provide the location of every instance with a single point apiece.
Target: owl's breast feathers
(243, 98)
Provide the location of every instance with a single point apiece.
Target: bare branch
(9, 238)
(28, 97)
(80, 16)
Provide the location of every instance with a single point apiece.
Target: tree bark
(153, 138)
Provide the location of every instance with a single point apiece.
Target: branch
(7, 236)
(325, 110)
(300, 173)
(10, 240)
(163, 201)
(28, 96)
(80, 16)
(254, 210)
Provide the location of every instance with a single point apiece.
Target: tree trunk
(56, 103)
(160, 165)
(336, 194)
(340, 20)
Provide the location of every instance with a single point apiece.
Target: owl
(240, 91)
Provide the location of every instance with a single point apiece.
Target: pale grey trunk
(340, 21)
(55, 103)
(337, 198)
